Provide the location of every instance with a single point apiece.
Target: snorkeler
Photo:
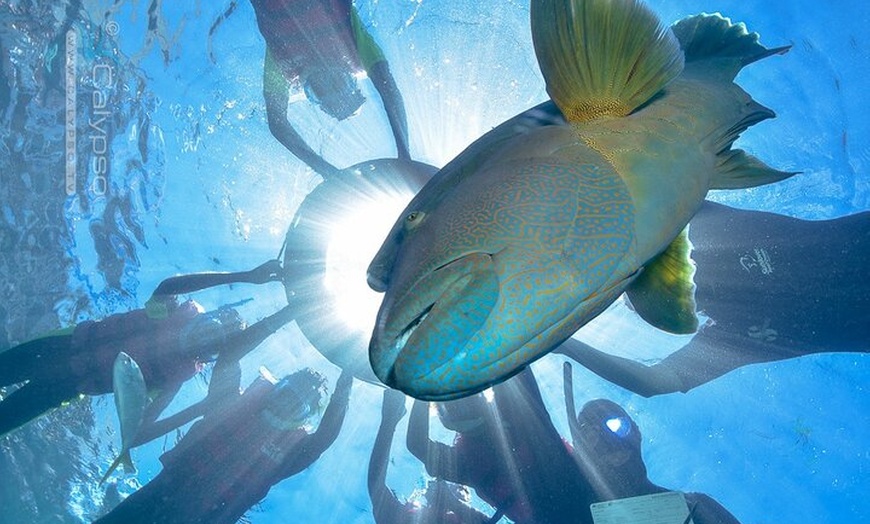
(607, 448)
(508, 450)
(321, 46)
(230, 459)
(443, 506)
(774, 288)
(170, 341)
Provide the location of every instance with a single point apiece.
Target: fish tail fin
(719, 49)
(602, 57)
(125, 460)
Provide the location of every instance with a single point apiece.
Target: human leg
(32, 359)
(32, 400)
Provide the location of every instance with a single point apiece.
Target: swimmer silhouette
(607, 447)
(508, 450)
(230, 459)
(322, 46)
(443, 504)
(170, 341)
(774, 287)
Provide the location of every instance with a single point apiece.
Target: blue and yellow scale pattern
(556, 233)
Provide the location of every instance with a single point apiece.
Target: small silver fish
(131, 397)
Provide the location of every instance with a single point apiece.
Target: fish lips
(420, 335)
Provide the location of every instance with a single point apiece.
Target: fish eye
(414, 218)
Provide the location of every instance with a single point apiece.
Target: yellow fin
(602, 57)
(664, 293)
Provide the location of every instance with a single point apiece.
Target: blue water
(194, 182)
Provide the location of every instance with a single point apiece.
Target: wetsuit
(612, 462)
(304, 34)
(79, 360)
(516, 462)
(774, 288)
(319, 46)
(228, 461)
(222, 467)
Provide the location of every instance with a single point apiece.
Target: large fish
(131, 397)
(534, 230)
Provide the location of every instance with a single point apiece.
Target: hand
(271, 271)
(393, 408)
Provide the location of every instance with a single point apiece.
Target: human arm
(644, 380)
(330, 425)
(378, 70)
(226, 379)
(276, 91)
(712, 352)
(439, 458)
(385, 505)
(394, 106)
(158, 428)
(267, 272)
(242, 342)
(570, 408)
(707, 511)
(158, 404)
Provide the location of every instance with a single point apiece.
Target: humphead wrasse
(533, 231)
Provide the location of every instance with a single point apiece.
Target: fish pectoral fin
(602, 57)
(664, 292)
(738, 170)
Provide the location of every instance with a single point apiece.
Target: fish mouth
(431, 323)
(402, 339)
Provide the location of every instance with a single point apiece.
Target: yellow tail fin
(602, 57)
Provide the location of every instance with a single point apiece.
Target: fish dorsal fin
(602, 57)
(714, 37)
(664, 292)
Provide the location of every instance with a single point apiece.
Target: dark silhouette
(321, 45)
(170, 341)
(443, 506)
(507, 450)
(607, 447)
(774, 288)
(230, 459)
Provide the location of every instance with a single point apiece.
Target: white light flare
(354, 239)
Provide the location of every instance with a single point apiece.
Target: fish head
(480, 284)
(127, 375)
(405, 231)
